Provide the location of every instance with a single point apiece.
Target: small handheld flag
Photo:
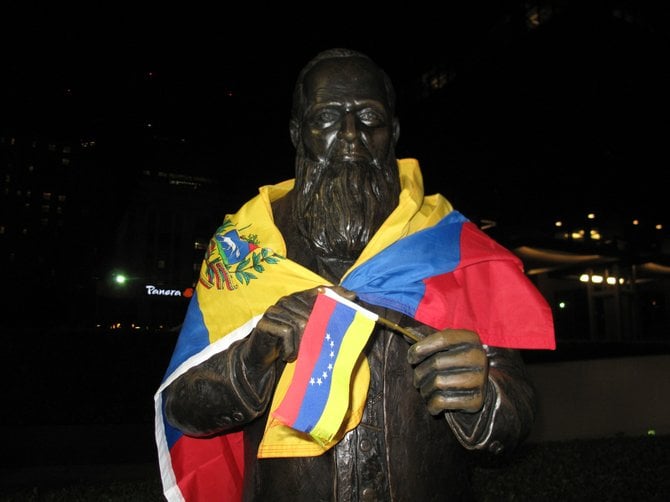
(317, 398)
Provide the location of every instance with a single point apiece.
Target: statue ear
(396, 130)
(294, 129)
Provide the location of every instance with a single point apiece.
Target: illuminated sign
(154, 291)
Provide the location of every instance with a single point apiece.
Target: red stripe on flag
(211, 468)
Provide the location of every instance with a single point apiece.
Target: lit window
(46, 195)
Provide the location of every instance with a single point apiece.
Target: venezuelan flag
(453, 275)
(318, 395)
(192, 468)
(241, 275)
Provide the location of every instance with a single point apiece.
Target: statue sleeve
(509, 409)
(218, 394)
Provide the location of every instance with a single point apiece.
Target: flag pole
(395, 327)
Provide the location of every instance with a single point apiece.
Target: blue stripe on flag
(172, 435)
(193, 337)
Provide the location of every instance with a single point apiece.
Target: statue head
(344, 129)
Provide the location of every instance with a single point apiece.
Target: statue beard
(338, 206)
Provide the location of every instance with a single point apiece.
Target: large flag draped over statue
(427, 261)
(464, 280)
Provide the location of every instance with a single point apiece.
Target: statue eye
(371, 118)
(325, 117)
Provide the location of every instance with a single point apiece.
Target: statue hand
(278, 333)
(451, 370)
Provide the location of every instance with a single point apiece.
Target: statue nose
(348, 130)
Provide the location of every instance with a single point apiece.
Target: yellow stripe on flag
(337, 405)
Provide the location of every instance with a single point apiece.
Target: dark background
(556, 106)
(550, 110)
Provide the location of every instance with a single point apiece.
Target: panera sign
(154, 291)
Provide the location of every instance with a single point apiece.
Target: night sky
(566, 115)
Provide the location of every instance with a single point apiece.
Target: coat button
(369, 495)
(496, 447)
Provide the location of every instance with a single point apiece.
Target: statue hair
(299, 98)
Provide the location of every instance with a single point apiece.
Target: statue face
(347, 180)
(347, 117)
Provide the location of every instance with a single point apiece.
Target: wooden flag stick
(395, 327)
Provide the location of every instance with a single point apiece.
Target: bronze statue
(347, 185)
